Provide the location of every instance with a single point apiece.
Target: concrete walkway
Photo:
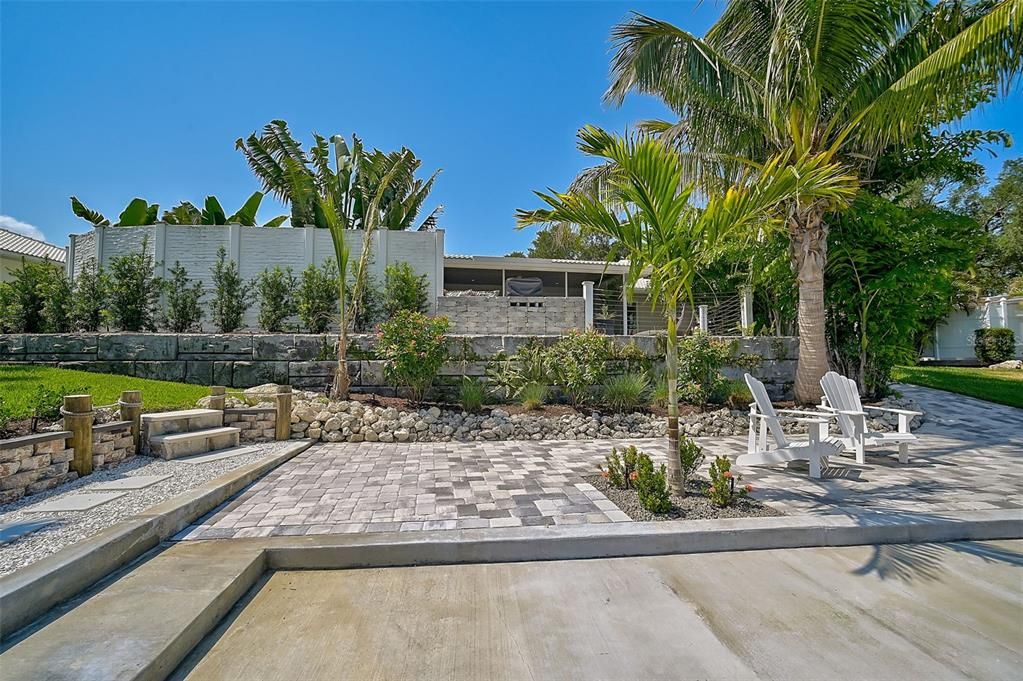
(970, 457)
(929, 611)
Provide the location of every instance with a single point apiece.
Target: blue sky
(109, 101)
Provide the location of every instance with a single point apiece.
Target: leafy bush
(530, 365)
(134, 291)
(580, 362)
(472, 393)
(230, 294)
(414, 348)
(533, 395)
(404, 289)
(621, 468)
(700, 359)
(57, 303)
(183, 311)
(734, 393)
(690, 457)
(317, 296)
(6, 414)
(89, 298)
(652, 485)
(994, 345)
(23, 300)
(625, 392)
(371, 305)
(274, 288)
(722, 490)
(9, 310)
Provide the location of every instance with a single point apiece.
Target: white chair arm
(907, 412)
(830, 414)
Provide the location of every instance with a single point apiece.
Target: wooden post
(131, 410)
(282, 423)
(78, 419)
(218, 398)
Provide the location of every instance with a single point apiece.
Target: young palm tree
(844, 78)
(645, 206)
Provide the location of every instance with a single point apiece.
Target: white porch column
(746, 311)
(703, 318)
(1003, 308)
(625, 310)
(309, 234)
(588, 304)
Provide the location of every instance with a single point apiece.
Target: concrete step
(184, 421)
(175, 445)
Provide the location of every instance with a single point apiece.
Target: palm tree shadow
(908, 562)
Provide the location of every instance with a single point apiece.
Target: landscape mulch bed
(694, 506)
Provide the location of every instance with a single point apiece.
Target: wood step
(176, 445)
(184, 421)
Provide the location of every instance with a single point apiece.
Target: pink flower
(749, 488)
(727, 474)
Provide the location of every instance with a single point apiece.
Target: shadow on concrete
(909, 562)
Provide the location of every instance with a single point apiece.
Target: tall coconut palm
(844, 78)
(645, 206)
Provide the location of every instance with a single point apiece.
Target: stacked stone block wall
(34, 463)
(112, 443)
(507, 315)
(305, 361)
(256, 424)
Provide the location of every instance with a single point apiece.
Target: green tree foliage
(183, 296)
(316, 296)
(212, 213)
(136, 213)
(893, 275)
(564, 241)
(230, 294)
(89, 298)
(57, 304)
(134, 291)
(275, 288)
(404, 289)
(26, 302)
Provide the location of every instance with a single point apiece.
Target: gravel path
(73, 526)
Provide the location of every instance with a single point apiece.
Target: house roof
(19, 244)
(536, 264)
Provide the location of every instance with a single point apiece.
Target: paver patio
(970, 457)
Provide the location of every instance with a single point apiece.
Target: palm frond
(88, 214)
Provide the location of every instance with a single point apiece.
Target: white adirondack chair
(763, 418)
(842, 397)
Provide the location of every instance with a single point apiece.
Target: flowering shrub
(652, 485)
(621, 468)
(413, 348)
(722, 491)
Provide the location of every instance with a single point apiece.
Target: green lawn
(1003, 387)
(19, 382)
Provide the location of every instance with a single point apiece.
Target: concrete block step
(184, 421)
(175, 445)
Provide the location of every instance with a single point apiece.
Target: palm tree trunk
(671, 374)
(809, 238)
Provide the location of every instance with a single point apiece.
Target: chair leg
(815, 467)
(903, 452)
(861, 456)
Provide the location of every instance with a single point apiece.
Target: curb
(30, 592)
(631, 539)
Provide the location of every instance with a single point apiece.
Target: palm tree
(645, 207)
(299, 177)
(213, 213)
(845, 78)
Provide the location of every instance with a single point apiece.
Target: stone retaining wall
(256, 423)
(112, 443)
(304, 360)
(34, 463)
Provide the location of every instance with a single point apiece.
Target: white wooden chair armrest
(845, 412)
(830, 414)
(907, 412)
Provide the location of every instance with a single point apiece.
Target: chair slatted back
(765, 407)
(843, 395)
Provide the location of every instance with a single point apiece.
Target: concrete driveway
(930, 611)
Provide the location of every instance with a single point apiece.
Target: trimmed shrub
(134, 291)
(317, 296)
(621, 468)
(183, 310)
(580, 362)
(230, 294)
(89, 298)
(722, 491)
(274, 288)
(413, 347)
(994, 345)
(625, 392)
(700, 359)
(404, 289)
(23, 300)
(57, 303)
(690, 457)
(652, 485)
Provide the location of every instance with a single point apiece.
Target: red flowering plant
(722, 491)
(413, 348)
(621, 468)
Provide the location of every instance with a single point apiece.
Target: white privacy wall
(953, 339)
(256, 249)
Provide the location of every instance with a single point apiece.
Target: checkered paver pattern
(970, 457)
